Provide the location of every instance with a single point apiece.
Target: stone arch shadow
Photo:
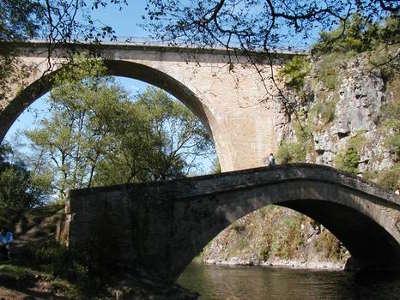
(172, 222)
(115, 68)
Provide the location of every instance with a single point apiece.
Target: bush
(291, 153)
(390, 178)
(294, 72)
(348, 161)
(357, 34)
(18, 189)
(330, 245)
(391, 124)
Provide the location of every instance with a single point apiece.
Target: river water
(260, 283)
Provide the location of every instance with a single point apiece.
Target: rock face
(348, 115)
(357, 112)
(279, 237)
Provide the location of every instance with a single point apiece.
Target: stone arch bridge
(163, 226)
(230, 98)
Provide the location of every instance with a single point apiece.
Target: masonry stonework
(163, 226)
(234, 100)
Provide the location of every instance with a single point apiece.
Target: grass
(28, 280)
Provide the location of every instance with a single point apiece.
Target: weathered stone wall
(162, 226)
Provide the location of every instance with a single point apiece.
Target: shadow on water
(259, 283)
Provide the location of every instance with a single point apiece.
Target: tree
(359, 35)
(57, 21)
(96, 135)
(255, 24)
(168, 144)
(69, 145)
(19, 189)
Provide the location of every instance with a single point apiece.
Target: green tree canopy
(359, 34)
(19, 189)
(251, 24)
(96, 135)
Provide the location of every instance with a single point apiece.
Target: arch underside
(341, 210)
(116, 68)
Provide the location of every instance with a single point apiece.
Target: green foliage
(19, 189)
(328, 69)
(287, 242)
(70, 143)
(294, 72)
(348, 160)
(390, 178)
(296, 151)
(322, 113)
(19, 19)
(358, 35)
(62, 264)
(291, 153)
(391, 124)
(358, 141)
(96, 135)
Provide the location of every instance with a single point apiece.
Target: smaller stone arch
(167, 224)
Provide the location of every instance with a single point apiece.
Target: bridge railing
(147, 41)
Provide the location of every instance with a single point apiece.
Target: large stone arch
(235, 103)
(44, 84)
(166, 225)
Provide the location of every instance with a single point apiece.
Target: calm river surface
(256, 283)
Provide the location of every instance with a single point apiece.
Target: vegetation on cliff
(277, 236)
(342, 65)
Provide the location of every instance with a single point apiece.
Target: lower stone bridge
(162, 226)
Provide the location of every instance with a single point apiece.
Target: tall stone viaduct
(163, 226)
(230, 98)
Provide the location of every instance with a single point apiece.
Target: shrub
(291, 153)
(348, 160)
(294, 72)
(357, 34)
(392, 124)
(390, 178)
(330, 245)
(328, 70)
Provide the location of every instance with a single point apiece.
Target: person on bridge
(271, 160)
(6, 238)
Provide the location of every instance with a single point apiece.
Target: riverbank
(278, 237)
(42, 268)
(22, 282)
(280, 263)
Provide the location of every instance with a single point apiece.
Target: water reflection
(259, 283)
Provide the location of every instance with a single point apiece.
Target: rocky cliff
(339, 116)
